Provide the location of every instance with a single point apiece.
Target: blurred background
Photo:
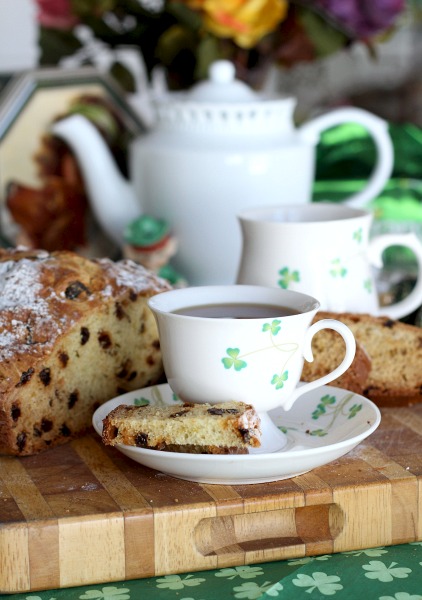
(327, 53)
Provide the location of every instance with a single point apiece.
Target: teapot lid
(224, 105)
(221, 86)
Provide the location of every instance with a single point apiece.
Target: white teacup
(322, 249)
(255, 356)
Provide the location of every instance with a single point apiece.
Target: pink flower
(56, 14)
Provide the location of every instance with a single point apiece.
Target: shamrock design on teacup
(236, 360)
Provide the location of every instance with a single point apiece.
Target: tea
(237, 310)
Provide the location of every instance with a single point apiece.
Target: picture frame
(29, 103)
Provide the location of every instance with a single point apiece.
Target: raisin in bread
(395, 351)
(225, 428)
(74, 333)
(329, 350)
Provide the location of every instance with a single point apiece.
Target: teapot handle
(378, 128)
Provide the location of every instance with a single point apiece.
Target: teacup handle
(350, 342)
(409, 240)
(378, 128)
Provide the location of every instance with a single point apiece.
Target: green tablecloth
(385, 573)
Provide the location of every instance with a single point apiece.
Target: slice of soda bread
(225, 428)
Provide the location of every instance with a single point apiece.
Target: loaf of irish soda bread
(74, 333)
(329, 349)
(395, 352)
(226, 428)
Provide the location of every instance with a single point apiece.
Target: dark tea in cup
(237, 310)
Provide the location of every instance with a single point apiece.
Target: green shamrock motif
(288, 277)
(156, 398)
(318, 432)
(368, 552)
(367, 285)
(308, 559)
(278, 380)
(233, 360)
(325, 584)
(273, 328)
(252, 591)
(244, 572)
(376, 569)
(141, 402)
(328, 407)
(337, 270)
(176, 582)
(321, 409)
(287, 349)
(107, 593)
(401, 596)
(357, 235)
(354, 410)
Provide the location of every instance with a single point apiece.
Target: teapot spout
(111, 196)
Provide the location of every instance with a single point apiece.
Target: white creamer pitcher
(323, 249)
(214, 151)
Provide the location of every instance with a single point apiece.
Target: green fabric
(344, 160)
(385, 573)
(348, 152)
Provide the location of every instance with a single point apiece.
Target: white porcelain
(214, 151)
(257, 361)
(311, 442)
(323, 249)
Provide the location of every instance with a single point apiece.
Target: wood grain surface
(84, 513)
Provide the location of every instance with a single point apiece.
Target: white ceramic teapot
(213, 152)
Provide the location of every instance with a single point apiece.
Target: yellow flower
(246, 21)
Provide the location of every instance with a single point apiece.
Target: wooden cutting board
(83, 513)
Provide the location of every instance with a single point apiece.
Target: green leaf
(324, 37)
(208, 51)
(184, 15)
(56, 44)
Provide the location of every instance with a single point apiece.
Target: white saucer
(323, 425)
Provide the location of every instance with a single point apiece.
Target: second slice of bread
(329, 349)
(395, 352)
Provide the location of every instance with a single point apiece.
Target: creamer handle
(375, 250)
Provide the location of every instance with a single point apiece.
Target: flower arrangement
(186, 36)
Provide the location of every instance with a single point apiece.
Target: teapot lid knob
(222, 86)
(222, 71)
